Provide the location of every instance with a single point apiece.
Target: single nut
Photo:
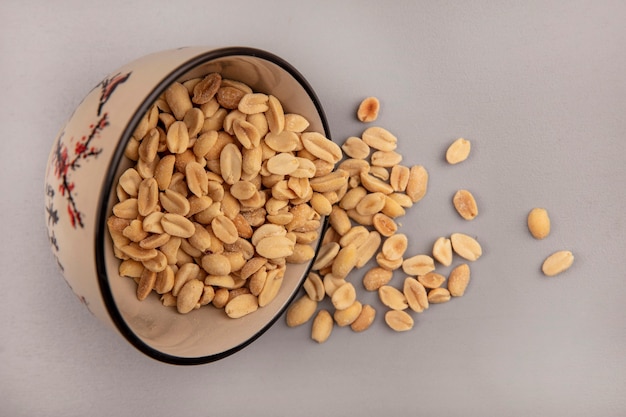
(438, 295)
(174, 202)
(321, 147)
(388, 264)
(246, 133)
(231, 163)
(252, 103)
(205, 90)
(275, 115)
(431, 280)
(273, 283)
(399, 177)
(395, 246)
(326, 255)
(392, 208)
(557, 262)
(415, 293)
(465, 204)
(371, 204)
(229, 97)
(300, 311)
(392, 298)
(368, 109)
(146, 283)
(376, 278)
(399, 320)
(442, 251)
(275, 247)
(296, 123)
(322, 326)
(177, 225)
(539, 223)
(458, 280)
(355, 148)
(189, 295)
(241, 305)
(220, 298)
(386, 159)
(216, 264)
(465, 246)
(368, 248)
(417, 184)
(339, 220)
(365, 319)
(348, 315)
(177, 98)
(384, 224)
(458, 151)
(177, 137)
(344, 296)
(356, 235)
(418, 265)
(314, 287)
(380, 139)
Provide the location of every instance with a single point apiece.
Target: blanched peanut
(458, 151)
(394, 246)
(355, 148)
(442, 251)
(557, 263)
(392, 298)
(465, 246)
(539, 223)
(399, 320)
(241, 306)
(417, 184)
(322, 326)
(368, 109)
(438, 295)
(418, 265)
(300, 311)
(344, 296)
(345, 261)
(376, 278)
(415, 294)
(431, 280)
(465, 204)
(365, 319)
(458, 280)
(348, 315)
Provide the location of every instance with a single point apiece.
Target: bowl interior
(207, 334)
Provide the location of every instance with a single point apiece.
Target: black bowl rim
(101, 214)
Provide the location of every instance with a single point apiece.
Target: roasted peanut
(557, 263)
(539, 223)
(368, 109)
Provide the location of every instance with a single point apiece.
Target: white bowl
(84, 166)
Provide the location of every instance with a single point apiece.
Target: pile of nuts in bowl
(225, 191)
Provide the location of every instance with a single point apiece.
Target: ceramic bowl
(85, 163)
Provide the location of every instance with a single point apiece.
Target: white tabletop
(539, 87)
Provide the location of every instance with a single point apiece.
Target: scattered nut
(465, 204)
(458, 280)
(539, 223)
(399, 320)
(322, 326)
(458, 151)
(368, 109)
(466, 246)
(557, 263)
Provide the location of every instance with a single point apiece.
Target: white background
(539, 87)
